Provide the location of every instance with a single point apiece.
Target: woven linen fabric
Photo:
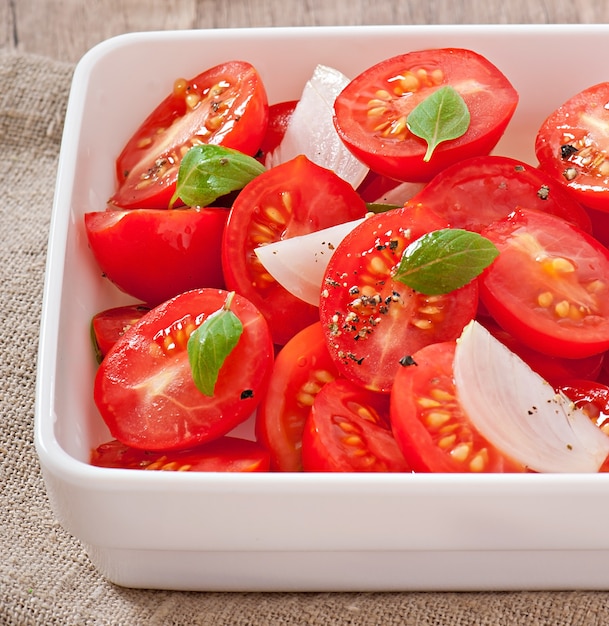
(45, 575)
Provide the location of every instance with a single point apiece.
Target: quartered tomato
(549, 286)
(348, 430)
(430, 426)
(302, 367)
(294, 198)
(226, 454)
(373, 322)
(572, 145)
(473, 193)
(371, 113)
(590, 396)
(225, 105)
(280, 114)
(554, 369)
(154, 255)
(144, 387)
(108, 326)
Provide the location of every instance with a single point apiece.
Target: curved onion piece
(311, 129)
(298, 263)
(519, 412)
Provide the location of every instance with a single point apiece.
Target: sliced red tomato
(144, 388)
(430, 426)
(294, 198)
(226, 454)
(554, 369)
(224, 105)
(572, 145)
(549, 286)
(348, 430)
(302, 367)
(154, 255)
(371, 113)
(280, 114)
(108, 326)
(371, 321)
(473, 193)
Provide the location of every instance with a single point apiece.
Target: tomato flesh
(154, 255)
(302, 367)
(108, 326)
(294, 198)
(144, 389)
(371, 112)
(348, 430)
(476, 192)
(429, 424)
(226, 454)
(372, 322)
(549, 286)
(224, 105)
(572, 146)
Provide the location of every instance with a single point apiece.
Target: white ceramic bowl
(292, 532)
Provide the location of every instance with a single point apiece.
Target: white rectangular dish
(294, 532)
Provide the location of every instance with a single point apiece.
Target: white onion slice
(298, 263)
(311, 129)
(519, 412)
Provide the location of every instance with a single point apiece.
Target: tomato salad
(399, 300)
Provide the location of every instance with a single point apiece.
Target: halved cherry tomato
(473, 193)
(280, 114)
(572, 146)
(225, 105)
(302, 367)
(431, 428)
(144, 388)
(554, 369)
(371, 321)
(108, 326)
(371, 112)
(348, 430)
(154, 255)
(226, 454)
(549, 286)
(294, 198)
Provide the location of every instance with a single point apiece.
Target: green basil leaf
(210, 344)
(208, 172)
(380, 207)
(444, 260)
(442, 116)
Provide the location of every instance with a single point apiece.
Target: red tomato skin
(144, 388)
(401, 156)
(427, 389)
(154, 255)
(476, 192)
(280, 114)
(109, 325)
(348, 430)
(367, 342)
(585, 177)
(554, 369)
(225, 454)
(234, 118)
(309, 198)
(302, 367)
(510, 287)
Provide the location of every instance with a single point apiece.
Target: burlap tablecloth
(45, 576)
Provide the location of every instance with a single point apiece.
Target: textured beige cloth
(45, 576)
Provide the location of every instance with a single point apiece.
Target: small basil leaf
(444, 260)
(442, 116)
(208, 172)
(210, 344)
(380, 207)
